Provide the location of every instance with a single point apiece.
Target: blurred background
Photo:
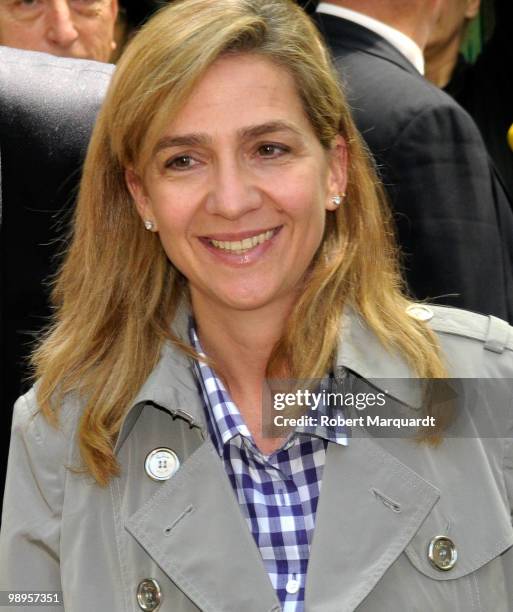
(135, 12)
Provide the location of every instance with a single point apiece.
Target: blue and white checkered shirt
(278, 494)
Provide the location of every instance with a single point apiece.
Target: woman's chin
(243, 299)
(243, 302)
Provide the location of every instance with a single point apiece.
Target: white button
(419, 312)
(161, 464)
(292, 586)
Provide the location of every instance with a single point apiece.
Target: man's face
(69, 28)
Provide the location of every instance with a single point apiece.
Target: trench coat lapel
(194, 529)
(370, 507)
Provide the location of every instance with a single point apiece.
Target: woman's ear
(142, 202)
(337, 177)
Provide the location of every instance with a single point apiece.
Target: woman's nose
(61, 29)
(234, 191)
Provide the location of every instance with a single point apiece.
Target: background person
(442, 51)
(228, 208)
(484, 88)
(70, 28)
(446, 199)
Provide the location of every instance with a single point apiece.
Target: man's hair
(117, 294)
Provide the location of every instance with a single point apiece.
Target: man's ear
(473, 7)
(114, 13)
(114, 7)
(337, 178)
(136, 188)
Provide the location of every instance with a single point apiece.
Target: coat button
(161, 464)
(442, 553)
(420, 312)
(148, 594)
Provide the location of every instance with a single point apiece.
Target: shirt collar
(404, 44)
(223, 417)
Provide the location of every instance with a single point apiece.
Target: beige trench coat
(63, 532)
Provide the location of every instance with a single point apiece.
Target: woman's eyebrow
(252, 131)
(183, 140)
(267, 128)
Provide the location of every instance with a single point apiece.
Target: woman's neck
(240, 342)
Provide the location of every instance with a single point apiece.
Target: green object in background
(471, 47)
(479, 30)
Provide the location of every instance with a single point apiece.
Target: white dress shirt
(404, 44)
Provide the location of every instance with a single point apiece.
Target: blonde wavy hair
(117, 293)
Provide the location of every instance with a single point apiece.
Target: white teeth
(241, 246)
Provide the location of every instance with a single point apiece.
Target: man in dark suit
(454, 221)
(47, 109)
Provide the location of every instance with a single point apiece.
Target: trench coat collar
(172, 384)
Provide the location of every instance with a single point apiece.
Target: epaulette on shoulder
(496, 334)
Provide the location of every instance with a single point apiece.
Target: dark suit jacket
(47, 109)
(454, 221)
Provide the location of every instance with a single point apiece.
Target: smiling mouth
(239, 247)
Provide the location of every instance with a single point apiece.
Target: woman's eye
(182, 162)
(272, 150)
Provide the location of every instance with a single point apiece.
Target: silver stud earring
(337, 199)
(149, 225)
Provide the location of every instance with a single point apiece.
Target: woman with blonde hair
(230, 230)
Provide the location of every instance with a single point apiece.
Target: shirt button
(442, 553)
(420, 312)
(292, 586)
(161, 464)
(148, 594)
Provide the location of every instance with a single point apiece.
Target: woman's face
(239, 185)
